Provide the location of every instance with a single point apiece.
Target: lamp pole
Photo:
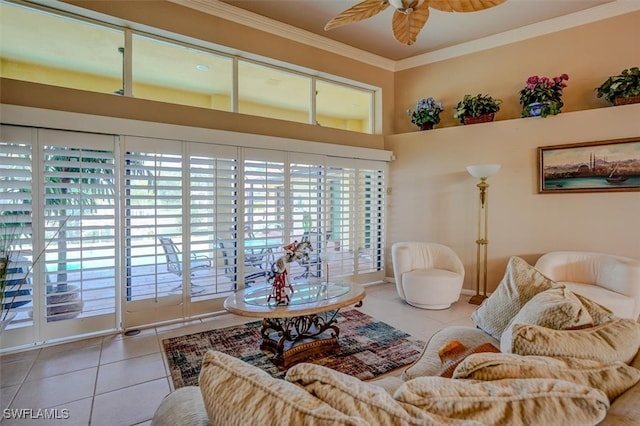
(482, 172)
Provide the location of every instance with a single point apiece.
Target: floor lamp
(482, 172)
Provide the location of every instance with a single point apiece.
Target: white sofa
(612, 281)
(545, 375)
(428, 275)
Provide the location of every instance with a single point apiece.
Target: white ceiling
(442, 30)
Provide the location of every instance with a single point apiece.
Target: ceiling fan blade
(359, 12)
(463, 5)
(407, 25)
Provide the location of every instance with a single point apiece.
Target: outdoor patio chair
(174, 262)
(313, 264)
(251, 272)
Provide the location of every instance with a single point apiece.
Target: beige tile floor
(119, 380)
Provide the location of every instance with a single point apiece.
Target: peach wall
(433, 198)
(588, 54)
(22, 93)
(522, 222)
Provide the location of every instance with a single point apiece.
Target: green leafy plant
(624, 85)
(475, 106)
(13, 274)
(427, 111)
(10, 283)
(544, 90)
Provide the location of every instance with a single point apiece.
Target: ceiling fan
(409, 16)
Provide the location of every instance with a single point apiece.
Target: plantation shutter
(341, 202)
(79, 182)
(153, 210)
(213, 177)
(16, 220)
(265, 203)
(369, 218)
(306, 207)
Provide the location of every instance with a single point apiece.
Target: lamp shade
(483, 170)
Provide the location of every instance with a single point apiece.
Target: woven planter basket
(481, 119)
(625, 101)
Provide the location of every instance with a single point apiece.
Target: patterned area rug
(368, 348)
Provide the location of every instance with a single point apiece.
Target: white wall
(433, 198)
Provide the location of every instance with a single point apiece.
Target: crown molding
(250, 19)
(244, 17)
(594, 14)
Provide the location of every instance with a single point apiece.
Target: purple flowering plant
(426, 111)
(544, 90)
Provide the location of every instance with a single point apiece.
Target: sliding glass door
(114, 232)
(59, 224)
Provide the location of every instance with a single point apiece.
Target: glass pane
(343, 107)
(168, 72)
(269, 92)
(44, 48)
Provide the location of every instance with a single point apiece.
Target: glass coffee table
(305, 326)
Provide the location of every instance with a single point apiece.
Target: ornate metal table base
(307, 325)
(295, 338)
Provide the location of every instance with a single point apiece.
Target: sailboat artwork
(612, 178)
(590, 167)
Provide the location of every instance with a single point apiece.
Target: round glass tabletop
(302, 293)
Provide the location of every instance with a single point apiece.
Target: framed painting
(602, 166)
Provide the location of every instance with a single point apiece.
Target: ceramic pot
(535, 109)
(426, 126)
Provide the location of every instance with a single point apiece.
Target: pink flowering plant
(544, 90)
(427, 111)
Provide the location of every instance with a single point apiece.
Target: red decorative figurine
(279, 274)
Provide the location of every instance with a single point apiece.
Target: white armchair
(609, 280)
(427, 275)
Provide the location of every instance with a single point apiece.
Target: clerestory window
(43, 45)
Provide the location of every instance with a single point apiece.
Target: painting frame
(598, 166)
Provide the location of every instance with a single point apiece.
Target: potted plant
(623, 88)
(476, 109)
(426, 114)
(542, 96)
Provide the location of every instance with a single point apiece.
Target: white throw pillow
(520, 283)
(613, 379)
(513, 402)
(237, 393)
(616, 340)
(556, 308)
(356, 398)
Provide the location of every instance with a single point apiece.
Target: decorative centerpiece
(623, 88)
(476, 109)
(281, 286)
(542, 96)
(426, 114)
